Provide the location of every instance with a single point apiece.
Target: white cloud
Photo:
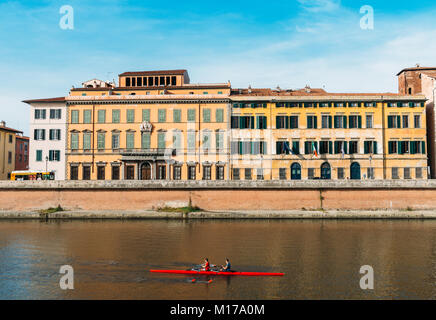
(320, 5)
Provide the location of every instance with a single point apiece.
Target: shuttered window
(130, 116)
(101, 116)
(219, 115)
(161, 140)
(177, 115)
(206, 115)
(162, 115)
(74, 116)
(116, 116)
(86, 116)
(130, 140)
(145, 140)
(146, 115)
(74, 141)
(191, 115)
(86, 141)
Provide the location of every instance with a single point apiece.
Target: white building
(48, 129)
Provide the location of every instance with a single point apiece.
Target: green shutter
(336, 122)
(366, 147)
(177, 115)
(146, 115)
(162, 115)
(315, 122)
(219, 115)
(345, 122)
(423, 147)
(101, 116)
(191, 115)
(145, 143)
(375, 147)
(101, 141)
(75, 116)
(116, 116)
(359, 122)
(330, 122)
(309, 122)
(330, 147)
(130, 116)
(191, 140)
(86, 116)
(130, 142)
(398, 121)
(206, 115)
(86, 141)
(161, 140)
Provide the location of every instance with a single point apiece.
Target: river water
(321, 259)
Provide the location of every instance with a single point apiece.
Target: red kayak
(219, 273)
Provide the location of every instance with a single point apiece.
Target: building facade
(422, 80)
(48, 136)
(7, 150)
(157, 125)
(21, 153)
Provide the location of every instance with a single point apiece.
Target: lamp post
(46, 163)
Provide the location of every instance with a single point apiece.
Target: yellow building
(7, 150)
(312, 134)
(155, 125)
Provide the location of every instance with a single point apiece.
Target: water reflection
(321, 259)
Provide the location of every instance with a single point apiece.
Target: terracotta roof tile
(59, 99)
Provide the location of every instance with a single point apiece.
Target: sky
(265, 44)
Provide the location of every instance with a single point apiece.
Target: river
(321, 259)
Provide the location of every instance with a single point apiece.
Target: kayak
(220, 273)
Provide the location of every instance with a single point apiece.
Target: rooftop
(417, 68)
(154, 73)
(48, 100)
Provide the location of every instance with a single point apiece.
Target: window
(220, 173)
(161, 140)
(247, 174)
(311, 173)
(219, 139)
(418, 173)
(394, 122)
(162, 115)
(282, 147)
(370, 147)
(236, 174)
(177, 115)
(101, 140)
(86, 141)
(40, 113)
(207, 172)
(101, 173)
(405, 121)
(161, 172)
(206, 115)
(101, 115)
(282, 122)
(9, 157)
(115, 141)
(403, 147)
(248, 147)
(407, 173)
(115, 173)
(259, 174)
(86, 174)
(128, 82)
(130, 116)
(130, 140)
(340, 122)
(146, 115)
(244, 122)
(177, 140)
(395, 173)
(11, 138)
(192, 173)
(55, 113)
(55, 134)
(417, 121)
(312, 122)
(74, 173)
(353, 147)
(86, 116)
(130, 172)
(293, 122)
(219, 115)
(191, 141)
(191, 115)
(39, 134)
(261, 122)
(370, 173)
(38, 155)
(309, 145)
(74, 141)
(355, 122)
(341, 173)
(145, 140)
(206, 141)
(115, 116)
(54, 155)
(326, 122)
(325, 147)
(393, 147)
(282, 173)
(177, 172)
(296, 147)
(369, 121)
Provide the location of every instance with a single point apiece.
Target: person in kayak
(227, 267)
(206, 265)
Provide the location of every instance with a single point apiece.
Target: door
(355, 171)
(296, 171)
(146, 171)
(326, 172)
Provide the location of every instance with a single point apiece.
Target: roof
(417, 69)
(48, 100)
(10, 129)
(154, 73)
(22, 137)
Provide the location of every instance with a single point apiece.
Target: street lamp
(46, 163)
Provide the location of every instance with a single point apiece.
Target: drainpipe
(383, 138)
(93, 135)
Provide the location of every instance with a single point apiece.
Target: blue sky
(262, 43)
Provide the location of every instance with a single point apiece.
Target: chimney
(307, 89)
(2, 123)
(249, 89)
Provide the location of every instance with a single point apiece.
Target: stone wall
(218, 195)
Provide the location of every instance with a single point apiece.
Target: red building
(22, 153)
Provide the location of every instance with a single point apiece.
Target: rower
(206, 265)
(227, 267)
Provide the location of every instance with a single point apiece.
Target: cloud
(320, 5)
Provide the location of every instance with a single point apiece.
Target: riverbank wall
(242, 197)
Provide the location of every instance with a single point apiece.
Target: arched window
(355, 171)
(326, 171)
(296, 171)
